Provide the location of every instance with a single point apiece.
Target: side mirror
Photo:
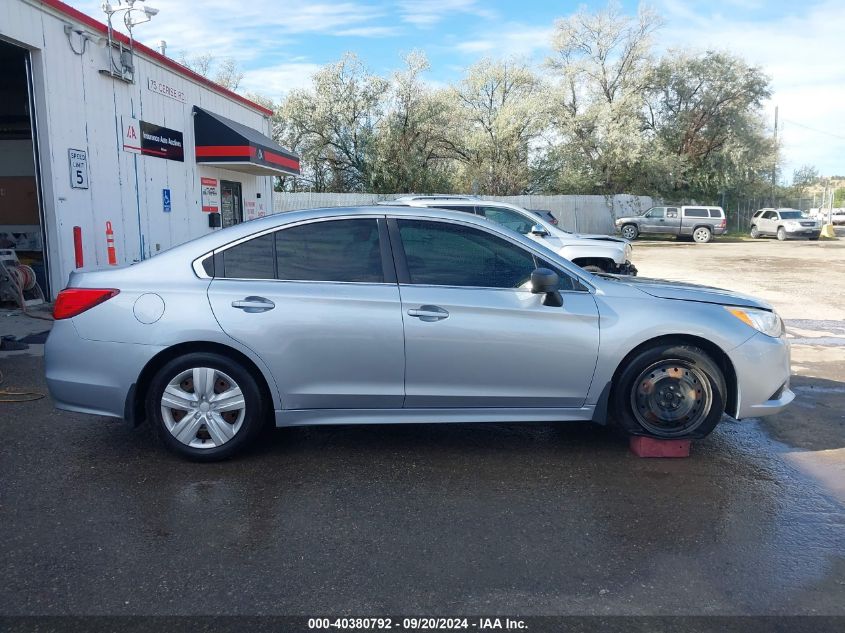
(538, 230)
(547, 282)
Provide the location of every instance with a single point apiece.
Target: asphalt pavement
(97, 518)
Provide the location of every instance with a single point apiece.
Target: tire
(702, 235)
(781, 233)
(593, 268)
(755, 232)
(814, 239)
(630, 231)
(669, 392)
(205, 437)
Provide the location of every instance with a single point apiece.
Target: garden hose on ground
(18, 396)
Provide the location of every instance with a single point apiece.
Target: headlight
(763, 321)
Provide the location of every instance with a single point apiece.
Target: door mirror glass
(538, 230)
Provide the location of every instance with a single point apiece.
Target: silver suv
(784, 223)
(595, 253)
(699, 222)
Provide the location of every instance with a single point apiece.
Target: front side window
(332, 250)
(447, 254)
(508, 218)
(656, 213)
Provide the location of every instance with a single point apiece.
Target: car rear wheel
(702, 235)
(630, 231)
(669, 391)
(781, 233)
(205, 406)
(755, 232)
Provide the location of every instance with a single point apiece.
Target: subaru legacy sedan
(401, 315)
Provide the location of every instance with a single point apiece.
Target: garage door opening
(21, 213)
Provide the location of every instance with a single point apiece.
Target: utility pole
(775, 165)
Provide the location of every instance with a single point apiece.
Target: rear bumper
(91, 376)
(762, 372)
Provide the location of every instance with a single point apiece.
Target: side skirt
(307, 417)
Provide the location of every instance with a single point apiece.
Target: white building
(92, 137)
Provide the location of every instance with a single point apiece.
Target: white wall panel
(81, 108)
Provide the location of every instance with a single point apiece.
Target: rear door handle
(254, 304)
(428, 313)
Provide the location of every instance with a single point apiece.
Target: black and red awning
(232, 145)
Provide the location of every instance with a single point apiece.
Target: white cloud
(425, 13)
(278, 80)
(511, 40)
(802, 53)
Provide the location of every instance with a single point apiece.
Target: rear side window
(446, 254)
(672, 212)
(333, 250)
(252, 259)
(715, 213)
(696, 213)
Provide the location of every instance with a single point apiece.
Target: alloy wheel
(203, 407)
(629, 232)
(671, 398)
(701, 235)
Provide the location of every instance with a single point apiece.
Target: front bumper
(762, 373)
(804, 232)
(625, 269)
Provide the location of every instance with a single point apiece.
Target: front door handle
(254, 304)
(428, 313)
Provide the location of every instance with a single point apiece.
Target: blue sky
(279, 45)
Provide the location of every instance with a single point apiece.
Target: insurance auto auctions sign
(161, 142)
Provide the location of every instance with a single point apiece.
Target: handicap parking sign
(165, 200)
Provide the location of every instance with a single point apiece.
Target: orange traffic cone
(110, 245)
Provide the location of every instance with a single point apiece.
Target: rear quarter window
(716, 213)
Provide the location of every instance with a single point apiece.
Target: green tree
(704, 112)
(332, 125)
(500, 109)
(414, 138)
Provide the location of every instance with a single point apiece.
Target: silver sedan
(375, 315)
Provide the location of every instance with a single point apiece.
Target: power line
(812, 129)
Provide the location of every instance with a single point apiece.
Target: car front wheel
(702, 235)
(205, 406)
(630, 231)
(781, 234)
(669, 392)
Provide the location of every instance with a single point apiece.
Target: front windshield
(791, 215)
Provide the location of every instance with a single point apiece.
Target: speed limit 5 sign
(78, 162)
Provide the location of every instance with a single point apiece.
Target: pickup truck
(699, 222)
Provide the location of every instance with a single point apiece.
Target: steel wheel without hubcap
(701, 235)
(630, 232)
(671, 398)
(203, 407)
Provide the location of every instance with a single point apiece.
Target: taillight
(723, 224)
(73, 301)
